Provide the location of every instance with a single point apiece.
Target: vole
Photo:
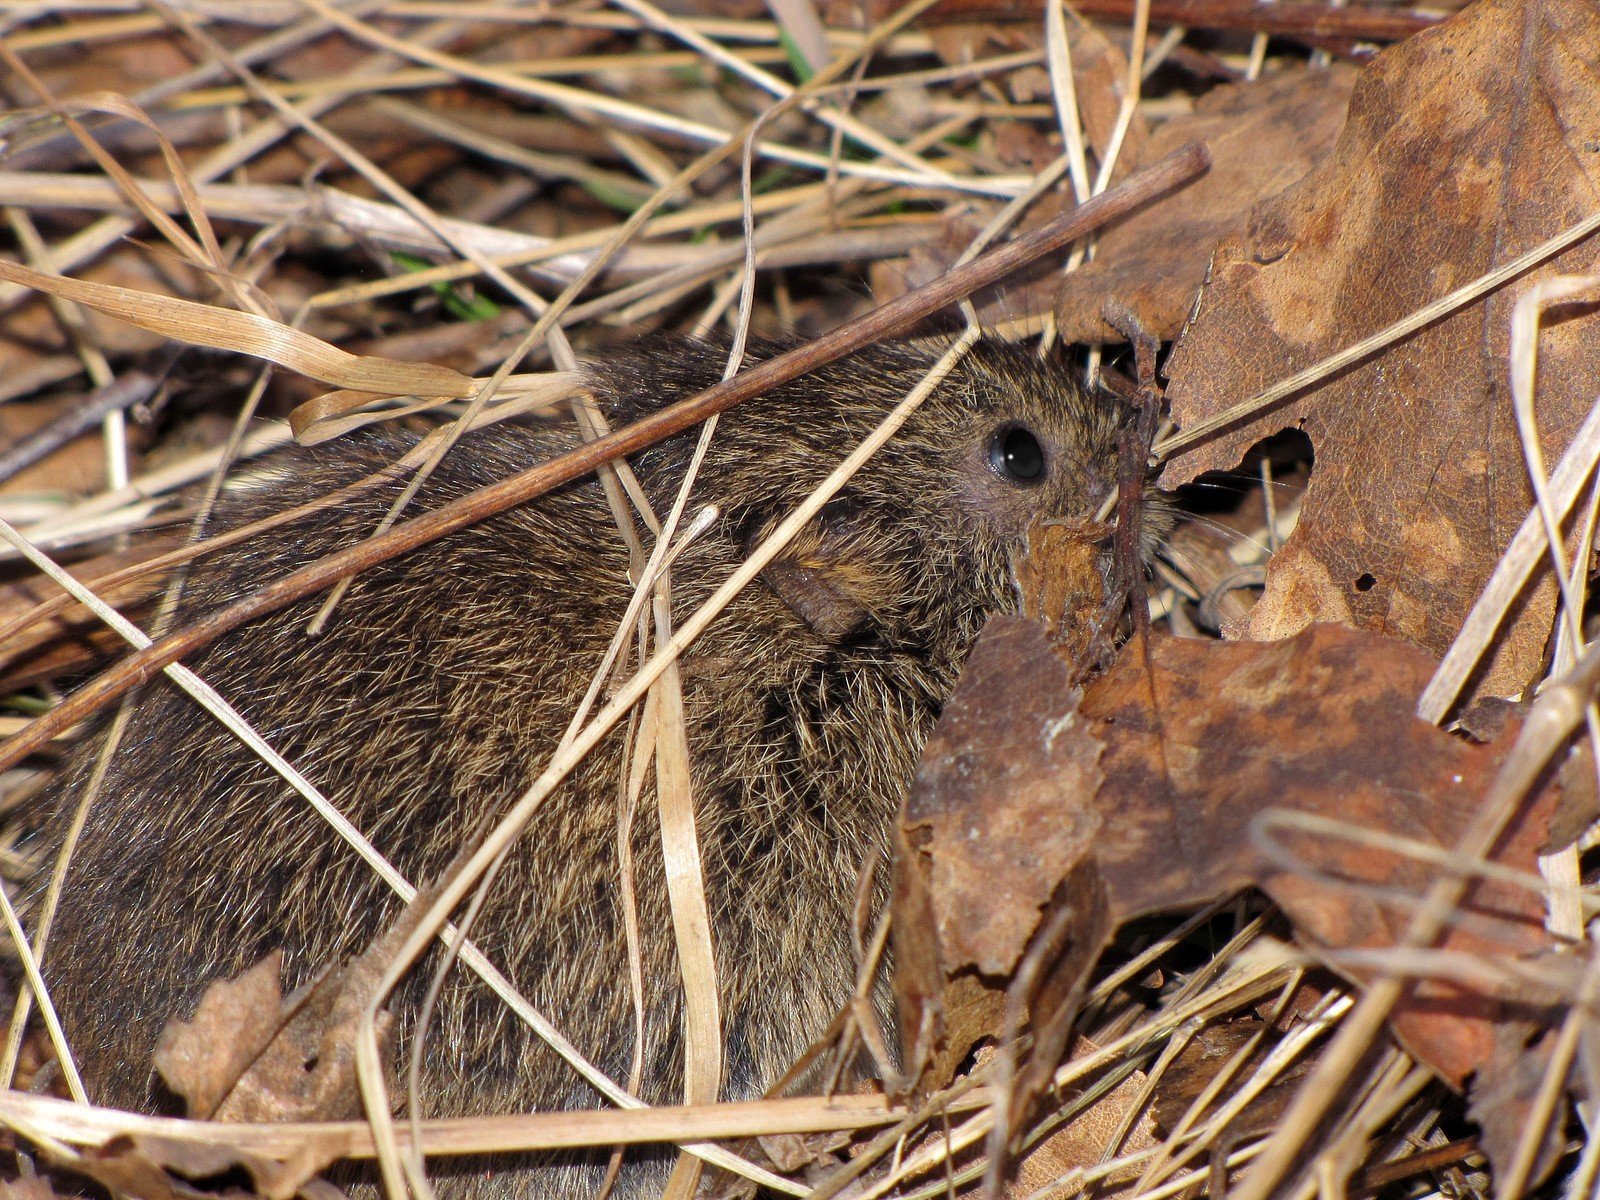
(445, 679)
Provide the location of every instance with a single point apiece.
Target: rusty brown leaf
(1059, 582)
(1262, 137)
(1155, 792)
(1034, 751)
(151, 1167)
(1505, 1097)
(126, 1170)
(1465, 146)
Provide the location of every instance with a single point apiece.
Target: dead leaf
(307, 1072)
(1262, 137)
(203, 1058)
(1465, 146)
(1082, 1143)
(124, 1168)
(1031, 748)
(1150, 795)
(1050, 578)
(1198, 1064)
(788, 1152)
(1505, 1098)
(255, 1057)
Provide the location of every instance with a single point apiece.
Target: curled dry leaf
(1164, 787)
(1083, 1143)
(1465, 147)
(124, 1168)
(249, 1054)
(1263, 137)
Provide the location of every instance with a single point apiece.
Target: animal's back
(432, 700)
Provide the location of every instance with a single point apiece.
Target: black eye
(1015, 454)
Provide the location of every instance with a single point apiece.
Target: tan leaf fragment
(201, 1059)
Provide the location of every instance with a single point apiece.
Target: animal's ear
(826, 575)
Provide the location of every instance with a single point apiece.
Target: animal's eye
(1015, 454)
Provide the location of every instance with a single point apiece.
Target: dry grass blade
(247, 333)
(1511, 574)
(82, 1125)
(336, 413)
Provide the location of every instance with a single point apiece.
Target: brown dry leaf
(1060, 582)
(1032, 750)
(203, 1058)
(274, 1060)
(126, 1170)
(156, 1168)
(1465, 146)
(1149, 796)
(943, 928)
(1082, 1143)
(1506, 1095)
(1262, 137)
(1199, 1063)
(308, 1071)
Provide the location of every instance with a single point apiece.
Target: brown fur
(445, 679)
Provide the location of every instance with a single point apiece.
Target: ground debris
(1044, 817)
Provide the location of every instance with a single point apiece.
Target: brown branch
(894, 317)
(1290, 18)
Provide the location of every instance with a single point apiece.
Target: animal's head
(924, 542)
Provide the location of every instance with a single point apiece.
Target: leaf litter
(1055, 807)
